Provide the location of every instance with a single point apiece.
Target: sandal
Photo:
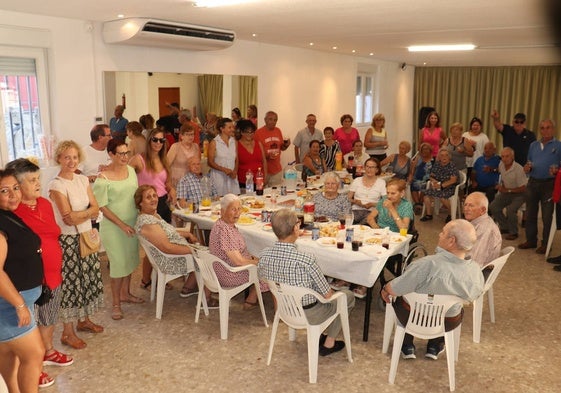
(88, 326)
(117, 313)
(57, 358)
(426, 217)
(45, 380)
(73, 341)
(145, 285)
(186, 292)
(339, 284)
(249, 306)
(132, 299)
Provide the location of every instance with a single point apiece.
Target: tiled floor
(519, 353)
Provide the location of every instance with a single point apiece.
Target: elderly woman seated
(165, 238)
(330, 203)
(443, 179)
(393, 210)
(399, 163)
(227, 243)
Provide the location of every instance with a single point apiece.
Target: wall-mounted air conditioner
(161, 33)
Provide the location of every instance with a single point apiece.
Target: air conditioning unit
(161, 33)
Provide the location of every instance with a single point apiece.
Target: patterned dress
(331, 208)
(328, 154)
(224, 238)
(82, 287)
(443, 173)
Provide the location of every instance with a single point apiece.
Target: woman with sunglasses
(114, 190)
(251, 153)
(223, 158)
(152, 168)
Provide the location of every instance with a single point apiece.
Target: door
(167, 95)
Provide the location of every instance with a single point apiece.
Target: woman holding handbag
(37, 212)
(76, 206)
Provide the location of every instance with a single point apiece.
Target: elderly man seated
(485, 174)
(510, 194)
(489, 241)
(448, 272)
(285, 264)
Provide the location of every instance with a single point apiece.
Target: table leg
(367, 308)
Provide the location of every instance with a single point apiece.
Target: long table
(360, 267)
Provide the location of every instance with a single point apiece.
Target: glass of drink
(206, 201)
(355, 244)
(342, 221)
(403, 231)
(340, 241)
(349, 217)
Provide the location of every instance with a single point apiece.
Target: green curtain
(210, 94)
(460, 93)
(248, 93)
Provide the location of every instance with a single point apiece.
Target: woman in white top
(75, 207)
(366, 191)
(358, 156)
(376, 138)
(223, 159)
(478, 141)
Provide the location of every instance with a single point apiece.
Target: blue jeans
(538, 193)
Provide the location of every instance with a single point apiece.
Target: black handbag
(46, 295)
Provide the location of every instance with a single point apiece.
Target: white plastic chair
(426, 321)
(455, 203)
(497, 264)
(290, 310)
(207, 277)
(161, 278)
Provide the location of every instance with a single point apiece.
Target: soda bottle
(259, 181)
(249, 182)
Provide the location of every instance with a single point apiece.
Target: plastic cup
(403, 231)
(355, 244)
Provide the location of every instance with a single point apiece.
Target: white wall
(293, 82)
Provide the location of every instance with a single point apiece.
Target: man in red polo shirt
(271, 138)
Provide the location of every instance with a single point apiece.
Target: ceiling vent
(161, 33)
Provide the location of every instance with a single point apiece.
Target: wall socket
(98, 118)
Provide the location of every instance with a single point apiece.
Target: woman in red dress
(251, 154)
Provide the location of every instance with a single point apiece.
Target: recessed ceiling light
(334, 47)
(311, 44)
(254, 35)
(424, 63)
(120, 16)
(371, 53)
(218, 3)
(354, 51)
(439, 48)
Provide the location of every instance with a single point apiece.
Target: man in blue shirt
(485, 173)
(544, 157)
(118, 124)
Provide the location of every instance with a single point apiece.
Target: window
(364, 98)
(21, 90)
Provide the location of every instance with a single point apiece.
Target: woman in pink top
(432, 133)
(347, 134)
(180, 153)
(152, 168)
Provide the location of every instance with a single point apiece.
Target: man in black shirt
(515, 136)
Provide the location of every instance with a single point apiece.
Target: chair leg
(261, 306)
(224, 314)
(389, 323)
(154, 279)
(397, 342)
(491, 301)
(291, 334)
(450, 355)
(344, 317)
(313, 333)
(477, 316)
(161, 291)
(273, 337)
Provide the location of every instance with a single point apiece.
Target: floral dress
(443, 173)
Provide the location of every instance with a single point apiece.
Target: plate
(327, 241)
(267, 227)
(362, 228)
(246, 220)
(373, 241)
(305, 232)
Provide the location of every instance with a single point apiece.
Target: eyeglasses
(123, 153)
(518, 121)
(371, 167)
(156, 140)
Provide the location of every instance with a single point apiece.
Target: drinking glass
(349, 218)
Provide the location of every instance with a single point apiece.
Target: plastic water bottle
(249, 182)
(259, 181)
(290, 177)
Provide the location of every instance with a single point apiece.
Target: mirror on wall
(148, 92)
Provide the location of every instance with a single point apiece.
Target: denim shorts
(9, 329)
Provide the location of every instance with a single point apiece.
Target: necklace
(32, 206)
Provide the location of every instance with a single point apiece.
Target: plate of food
(373, 241)
(328, 229)
(327, 241)
(362, 229)
(246, 220)
(268, 227)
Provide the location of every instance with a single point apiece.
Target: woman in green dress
(114, 190)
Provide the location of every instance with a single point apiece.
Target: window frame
(364, 119)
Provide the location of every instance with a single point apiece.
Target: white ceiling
(506, 32)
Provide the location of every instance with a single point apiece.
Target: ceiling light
(311, 44)
(254, 35)
(437, 48)
(371, 53)
(354, 51)
(218, 3)
(334, 47)
(120, 16)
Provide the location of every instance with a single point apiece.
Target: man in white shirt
(95, 154)
(305, 136)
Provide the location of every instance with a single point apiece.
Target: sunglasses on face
(518, 122)
(158, 140)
